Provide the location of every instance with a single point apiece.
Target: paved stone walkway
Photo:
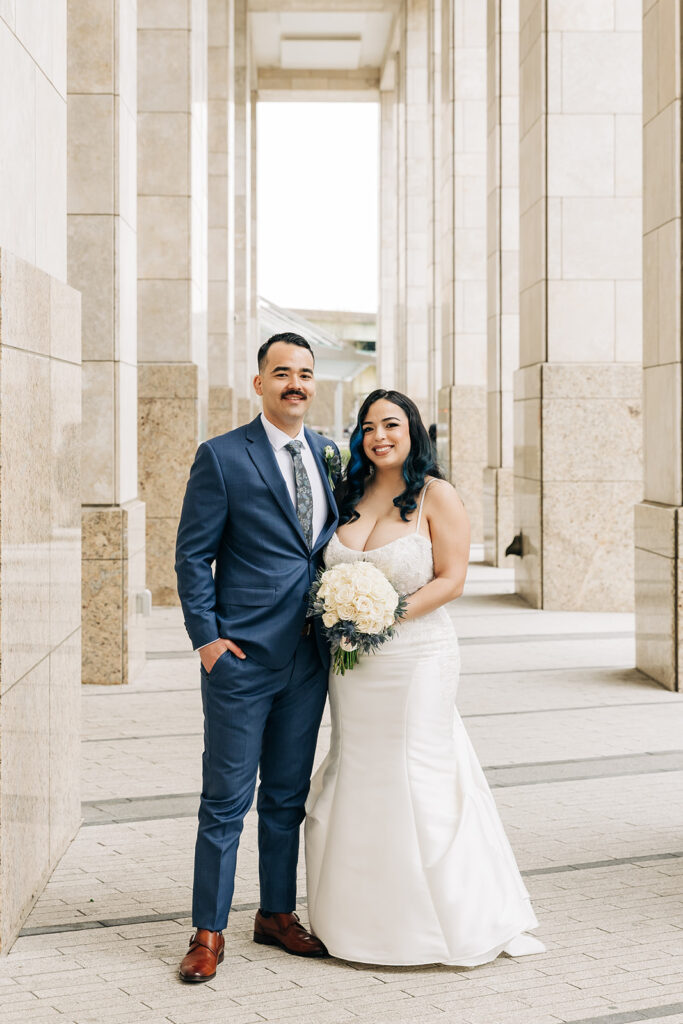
(586, 757)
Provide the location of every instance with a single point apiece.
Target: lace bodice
(407, 562)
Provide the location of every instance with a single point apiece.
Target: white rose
(330, 619)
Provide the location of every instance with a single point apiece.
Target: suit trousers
(265, 720)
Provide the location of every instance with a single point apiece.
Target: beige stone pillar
(413, 154)
(221, 110)
(502, 233)
(172, 268)
(102, 262)
(40, 489)
(577, 459)
(388, 204)
(462, 398)
(244, 354)
(435, 331)
(658, 519)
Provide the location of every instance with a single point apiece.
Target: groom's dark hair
(289, 338)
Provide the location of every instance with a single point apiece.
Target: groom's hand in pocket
(212, 652)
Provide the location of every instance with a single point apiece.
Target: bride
(406, 857)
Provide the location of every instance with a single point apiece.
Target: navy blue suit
(261, 713)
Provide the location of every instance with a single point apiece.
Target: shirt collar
(278, 439)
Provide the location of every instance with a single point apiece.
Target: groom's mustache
(294, 394)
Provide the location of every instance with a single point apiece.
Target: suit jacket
(238, 513)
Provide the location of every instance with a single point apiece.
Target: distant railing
(275, 320)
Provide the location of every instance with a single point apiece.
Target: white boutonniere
(332, 464)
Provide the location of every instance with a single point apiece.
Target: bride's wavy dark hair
(419, 463)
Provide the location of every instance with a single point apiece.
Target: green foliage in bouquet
(345, 636)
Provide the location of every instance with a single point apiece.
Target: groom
(260, 506)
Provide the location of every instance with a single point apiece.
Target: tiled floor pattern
(586, 759)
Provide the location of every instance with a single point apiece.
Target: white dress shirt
(278, 439)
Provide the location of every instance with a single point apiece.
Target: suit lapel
(316, 447)
(261, 454)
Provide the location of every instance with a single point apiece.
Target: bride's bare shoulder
(442, 497)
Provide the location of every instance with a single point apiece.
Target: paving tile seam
(123, 922)
(631, 1016)
(121, 690)
(499, 777)
(179, 916)
(472, 714)
(522, 638)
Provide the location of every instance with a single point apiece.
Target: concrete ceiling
(320, 35)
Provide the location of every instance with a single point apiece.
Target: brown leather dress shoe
(203, 956)
(287, 932)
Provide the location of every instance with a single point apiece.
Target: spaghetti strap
(422, 501)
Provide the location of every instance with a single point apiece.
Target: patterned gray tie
(304, 494)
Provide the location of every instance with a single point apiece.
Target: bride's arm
(450, 532)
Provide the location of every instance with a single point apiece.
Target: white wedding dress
(406, 857)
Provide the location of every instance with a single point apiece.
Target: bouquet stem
(344, 661)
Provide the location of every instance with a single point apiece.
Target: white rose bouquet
(359, 609)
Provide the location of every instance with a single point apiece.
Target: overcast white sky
(317, 205)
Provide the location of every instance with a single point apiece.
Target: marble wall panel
(161, 577)
(98, 460)
(601, 240)
(164, 313)
(221, 400)
(91, 154)
(113, 575)
(65, 742)
(25, 808)
(126, 431)
(26, 305)
(90, 53)
(24, 538)
(164, 225)
(163, 14)
(498, 515)
(50, 175)
(65, 499)
(575, 432)
(656, 615)
(587, 545)
(528, 522)
(33, 130)
(168, 431)
(39, 581)
(125, 293)
(163, 70)
(581, 321)
(42, 30)
(662, 435)
(102, 656)
(91, 271)
(163, 166)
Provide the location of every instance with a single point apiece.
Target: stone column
(434, 197)
(244, 356)
(462, 399)
(388, 202)
(503, 272)
(253, 248)
(40, 488)
(221, 229)
(658, 519)
(577, 459)
(172, 270)
(102, 261)
(413, 223)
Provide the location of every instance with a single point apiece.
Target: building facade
(529, 301)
